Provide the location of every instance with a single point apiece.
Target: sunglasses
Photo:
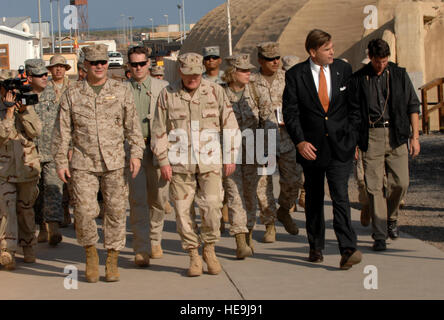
(40, 75)
(271, 59)
(141, 64)
(96, 63)
(211, 58)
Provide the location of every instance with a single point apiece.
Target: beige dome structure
(285, 21)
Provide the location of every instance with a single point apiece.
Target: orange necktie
(323, 92)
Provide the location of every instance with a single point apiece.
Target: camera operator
(19, 174)
(48, 207)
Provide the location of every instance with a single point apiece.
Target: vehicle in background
(115, 59)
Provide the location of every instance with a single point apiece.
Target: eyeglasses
(271, 59)
(40, 75)
(141, 64)
(211, 58)
(96, 63)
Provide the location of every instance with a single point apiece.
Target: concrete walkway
(409, 269)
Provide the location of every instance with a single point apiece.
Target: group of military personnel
(123, 138)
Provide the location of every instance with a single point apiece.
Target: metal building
(15, 47)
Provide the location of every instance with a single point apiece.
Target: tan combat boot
(92, 264)
(7, 259)
(142, 259)
(28, 254)
(249, 239)
(270, 233)
(156, 251)
(195, 268)
(43, 233)
(55, 237)
(302, 199)
(284, 217)
(242, 249)
(111, 269)
(209, 256)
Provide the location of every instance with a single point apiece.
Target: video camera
(21, 91)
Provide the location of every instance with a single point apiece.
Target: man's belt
(380, 124)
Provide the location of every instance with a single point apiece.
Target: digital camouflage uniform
(19, 174)
(178, 114)
(98, 126)
(269, 98)
(48, 206)
(148, 189)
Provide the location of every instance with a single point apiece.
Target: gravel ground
(423, 214)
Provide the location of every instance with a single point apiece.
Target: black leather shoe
(392, 230)
(379, 245)
(349, 258)
(315, 256)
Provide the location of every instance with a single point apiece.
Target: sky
(107, 13)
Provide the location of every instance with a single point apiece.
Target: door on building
(4, 56)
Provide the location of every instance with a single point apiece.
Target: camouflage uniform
(269, 98)
(213, 51)
(19, 173)
(178, 114)
(59, 90)
(48, 206)
(148, 188)
(217, 80)
(98, 126)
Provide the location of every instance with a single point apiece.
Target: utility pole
(60, 28)
(40, 30)
(168, 27)
(183, 20)
(152, 29)
(52, 29)
(230, 48)
(131, 29)
(180, 23)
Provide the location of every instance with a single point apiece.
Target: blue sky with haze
(107, 13)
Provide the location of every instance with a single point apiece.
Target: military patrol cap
(96, 52)
(190, 63)
(7, 74)
(289, 61)
(35, 67)
(240, 61)
(211, 51)
(269, 49)
(58, 60)
(158, 71)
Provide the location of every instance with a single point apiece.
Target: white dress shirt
(315, 69)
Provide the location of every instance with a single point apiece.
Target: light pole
(60, 29)
(40, 30)
(131, 29)
(152, 28)
(52, 29)
(183, 20)
(123, 28)
(180, 22)
(230, 49)
(168, 27)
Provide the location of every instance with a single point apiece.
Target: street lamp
(168, 28)
(131, 29)
(152, 28)
(180, 22)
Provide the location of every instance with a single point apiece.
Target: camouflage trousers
(85, 185)
(240, 192)
(17, 225)
(207, 189)
(290, 181)
(148, 194)
(48, 206)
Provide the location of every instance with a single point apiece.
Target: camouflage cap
(289, 61)
(269, 49)
(190, 63)
(211, 51)
(240, 61)
(7, 74)
(158, 71)
(58, 60)
(81, 65)
(96, 52)
(35, 67)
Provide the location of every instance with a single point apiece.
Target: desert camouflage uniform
(269, 98)
(98, 126)
(217, 80)
(148, 188)
(59, 90)
(208, 109)
(48, 206)
(240, 187)
(19, 173)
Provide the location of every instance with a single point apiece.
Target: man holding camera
(19, 174)
(48, 206)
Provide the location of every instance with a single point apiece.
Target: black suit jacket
(335, 133)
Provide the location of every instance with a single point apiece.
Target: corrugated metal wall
(20, 49)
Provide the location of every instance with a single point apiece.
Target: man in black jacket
(389, 107)
(323, 128)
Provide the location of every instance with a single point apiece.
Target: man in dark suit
(324, 130)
